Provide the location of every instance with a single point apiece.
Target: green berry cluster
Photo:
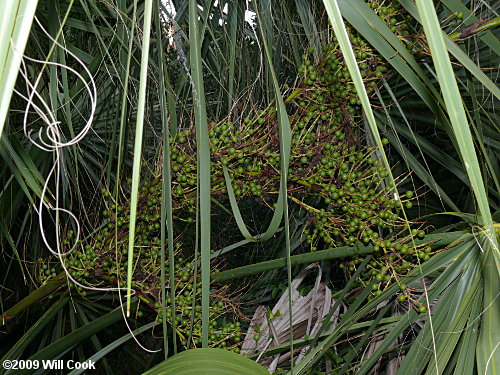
(333, 174)
(224, 330)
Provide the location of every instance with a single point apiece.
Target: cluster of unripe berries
(332, 174)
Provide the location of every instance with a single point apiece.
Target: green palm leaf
(207, 361)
